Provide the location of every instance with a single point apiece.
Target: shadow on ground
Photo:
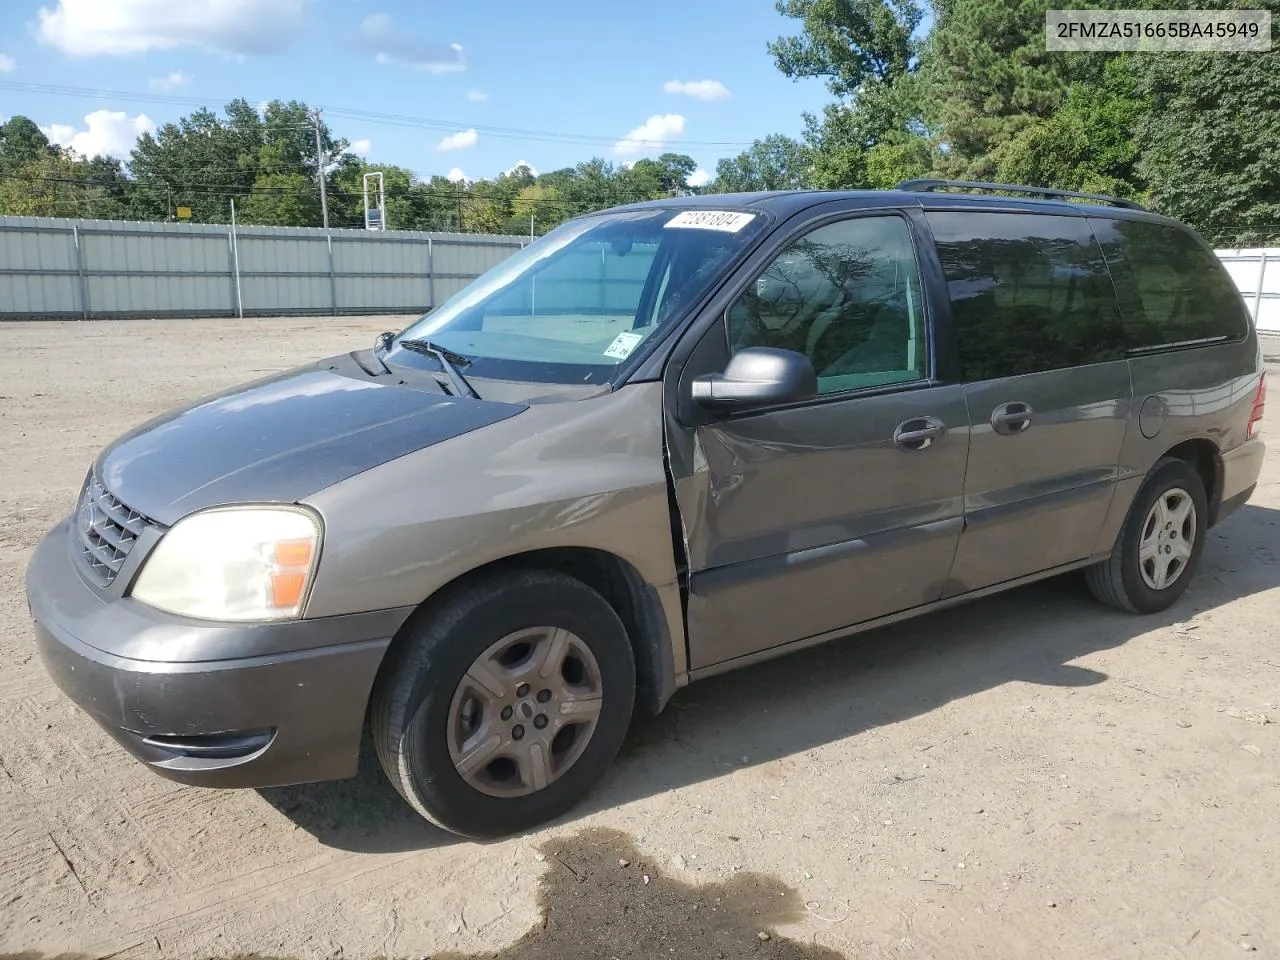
(838, 690)
(364, 813)
(600, 899)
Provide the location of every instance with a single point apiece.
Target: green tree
(38, 178)
(198, 162)
(204, 160)
(1209, 140)
(848, 42)
(58, 183)
(892, 161)
(282, 200)
(1087, 144)
(990, 77)
(541, 202)
(21, 143)
(405, 209)
(868, 53)
(774, 163)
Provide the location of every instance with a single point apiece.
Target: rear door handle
(1011, 418)
(918, 433)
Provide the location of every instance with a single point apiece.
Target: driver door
(808, 518)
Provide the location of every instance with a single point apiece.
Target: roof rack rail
(928, 186)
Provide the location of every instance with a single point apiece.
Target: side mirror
(757, 377)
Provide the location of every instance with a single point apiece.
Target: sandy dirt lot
(1028, 776)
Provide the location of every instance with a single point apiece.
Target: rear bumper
(198, 716)
(1241, 468)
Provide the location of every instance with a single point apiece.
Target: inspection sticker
(623, 344)
(723, 220)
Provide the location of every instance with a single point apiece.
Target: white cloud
(699, 178)
(456, 175)
(461, 140)
(379, 35)
(698, 89)
(108, 132)
(173, 81)
(85, 28)
(361, 148)
(652, 134)
(517, 165)
(7, 64)
(477, 96)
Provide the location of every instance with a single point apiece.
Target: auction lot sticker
(724, 220)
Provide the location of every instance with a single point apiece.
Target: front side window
(1029, 293)
(847, 296)
(1171, 289)
(571, 307)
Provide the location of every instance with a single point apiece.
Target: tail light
(1259, 406)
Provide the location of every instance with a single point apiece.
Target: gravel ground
(1027, 776)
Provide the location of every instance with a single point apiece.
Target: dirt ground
(1027, 776)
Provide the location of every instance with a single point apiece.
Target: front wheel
(1159, 546)
(504, 708)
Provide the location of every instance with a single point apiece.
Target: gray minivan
(663, 441)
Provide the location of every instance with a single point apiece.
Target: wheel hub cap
(1168, 539)
(524, 712)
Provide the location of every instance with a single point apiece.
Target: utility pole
(320, 165)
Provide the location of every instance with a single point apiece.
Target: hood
(280, 439)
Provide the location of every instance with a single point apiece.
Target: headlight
(233, 563)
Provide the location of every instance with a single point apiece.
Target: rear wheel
(507, 706)
(1159, 547)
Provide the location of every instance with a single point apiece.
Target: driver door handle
(1011, 418)
(918, 433)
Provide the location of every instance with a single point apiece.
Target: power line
(349, 113)
(221, 190)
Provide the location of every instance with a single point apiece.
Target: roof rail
(928, 186)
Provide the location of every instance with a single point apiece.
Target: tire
(428, 708)
(1120, 581)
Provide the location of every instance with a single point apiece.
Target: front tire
(505, 707)
(1160, 544)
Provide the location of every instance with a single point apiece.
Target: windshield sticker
(623, 344)
(722, 220)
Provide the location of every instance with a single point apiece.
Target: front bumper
(250, 705)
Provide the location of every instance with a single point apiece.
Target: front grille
(107, 531)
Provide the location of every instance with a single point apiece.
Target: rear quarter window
(1029, 293)
(1172, 290)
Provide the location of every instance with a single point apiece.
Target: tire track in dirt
(600, 898)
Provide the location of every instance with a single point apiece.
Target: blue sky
(694, 77)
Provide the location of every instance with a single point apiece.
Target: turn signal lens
(1259, 407)
(293, 553)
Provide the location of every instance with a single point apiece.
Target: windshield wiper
(449, 362)
(380, 347)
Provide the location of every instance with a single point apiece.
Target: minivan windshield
(572, 306)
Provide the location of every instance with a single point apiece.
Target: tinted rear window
(1029, 293)
(1171, 289)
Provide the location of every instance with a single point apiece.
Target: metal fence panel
(1256, 272)
(101, 268)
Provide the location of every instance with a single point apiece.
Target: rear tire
(534, 650)
(1159, 547)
